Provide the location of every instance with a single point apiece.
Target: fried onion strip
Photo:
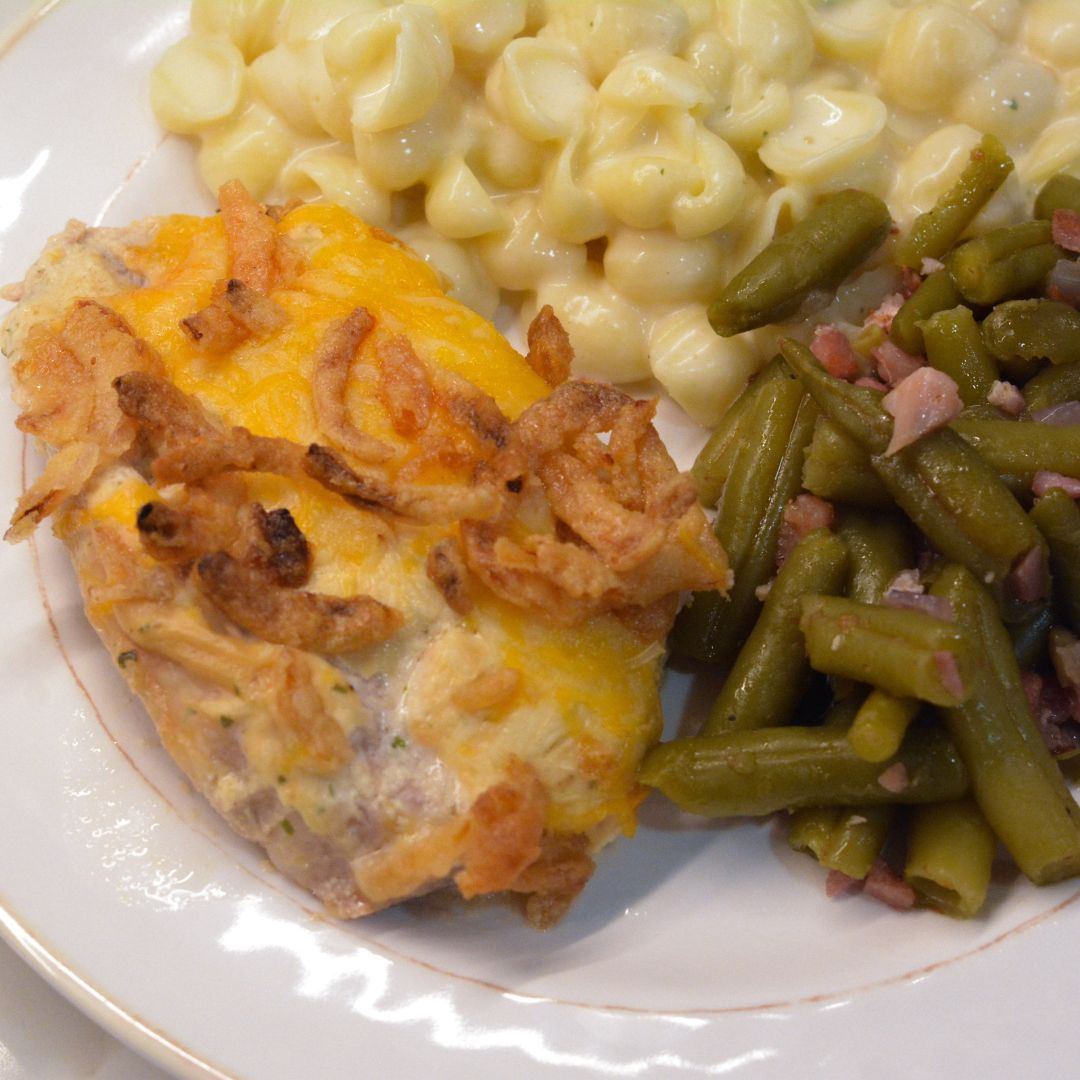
(404, 386)
(329, 383)
(251, 235)
(303, 620)
(550, 353)
(236, 314)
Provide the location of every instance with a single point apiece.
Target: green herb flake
(287, 825)
(128, 656)
(341, 688)
(226, 721)
(281, 778)
(1011, 103)
(398, 743)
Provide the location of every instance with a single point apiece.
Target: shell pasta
(620, 159)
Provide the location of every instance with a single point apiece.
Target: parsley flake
(287, 825)
(226, 721)
(126, 657)
(397, 742)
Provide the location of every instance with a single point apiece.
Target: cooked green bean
(950, 854)
(1060, 192)
(817, 253)
(951, 494)
(936, 232)
(1015, 782)
(1052, 386)
(764, 477)
(771, 670)
(753, 773)
(1021, 332)
(844, 838)
(880, 725)
(954, 345)
(906, 652)
(879, 548)
(1021, 448)
(1007, 262)
(1029, 636)
(1058, 516)
(837, 468)
(712, 466)
(936, 293)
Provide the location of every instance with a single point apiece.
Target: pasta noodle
(620, 159)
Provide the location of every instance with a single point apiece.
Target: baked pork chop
(393, 594)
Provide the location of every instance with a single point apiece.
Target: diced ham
(1055, 708)
(884, 885)
(870, 383)
(1045, 481)
(907, 581)
(909, 280)
(1066, 229)
(931, 266)
(895, 778)
(835, 353)
(949, 672)
(936, 606)
(802, 516)
(1027, 578)
(1006, 397)
(1032, 682)
(885, 312)
(838, 882)
(923, 402)
(893, 364)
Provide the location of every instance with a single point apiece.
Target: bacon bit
(251, 235)
(1065, 225)
(1026, 580)
(447, 570)
(868, 382)
(232, 317)
(949, 672)
(923, 402)
(302, 620)
(886, 311)
(404, 386)
(833, 350)
(802, 516)
(884, 885)
(1006, 397)
(935, 606)
(930, 266)
(487, 690)
(550, 353)
(893, 364)
(506, 824)
(1045, 481)
(895, 778)
(837, 883)
(329, 383)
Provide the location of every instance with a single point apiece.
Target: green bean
(769, 674)
(753, 773)
(936, 293)
(764, 477)
(1021, 331)
(838, 469)
(1015, 782)
(1060, 192)
(1029, 636)
(954, 345)
(906, 652)
(936, 232)
(1058, 517)
(951, 494)
(950, 854)
(879, 548)
(1007, 262)
(844, 838)
(712, 466)
(880, 725)
(1021, 448)
(817, 253)
(1052, 386)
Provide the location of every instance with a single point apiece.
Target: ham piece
(923, 402)
(831, 347)
(1066, 229)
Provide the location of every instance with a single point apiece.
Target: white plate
(697, 949)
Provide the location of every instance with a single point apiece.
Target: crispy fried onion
(447, 571)
(404, 387)
(556, 878)
(550, 353)
(235, 314)
(63, 382)
(303, 620)
(423, 503)
(627, 533)
(330, 381)
(256, 257)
